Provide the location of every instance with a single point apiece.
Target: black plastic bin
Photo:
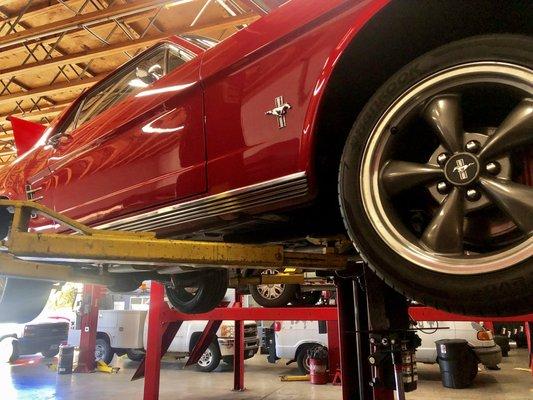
(66, 360)
(457, 362)
(503, 342)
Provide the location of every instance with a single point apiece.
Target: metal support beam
(238, 348)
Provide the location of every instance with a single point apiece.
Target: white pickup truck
(125, 332)
(292, 339)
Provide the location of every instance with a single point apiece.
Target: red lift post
(160, 335)
(89, 325)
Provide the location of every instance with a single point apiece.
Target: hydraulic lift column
(89, 326)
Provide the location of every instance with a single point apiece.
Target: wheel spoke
(444, 234)
(444, 114)
(514, 199)
(515, 130)
(401, 175)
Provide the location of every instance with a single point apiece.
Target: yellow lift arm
(58, 255)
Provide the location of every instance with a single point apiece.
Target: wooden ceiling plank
(77, 22)
(51, 90)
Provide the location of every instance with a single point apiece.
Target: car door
(135, 140)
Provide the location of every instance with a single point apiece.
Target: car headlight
(227, 331)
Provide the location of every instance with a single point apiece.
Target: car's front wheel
(436, 177)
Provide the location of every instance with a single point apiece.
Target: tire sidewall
(289, 291)
(109, 354)
(215, 358)
(212, 287)
(460, 293)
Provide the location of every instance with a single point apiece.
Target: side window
(131, 80)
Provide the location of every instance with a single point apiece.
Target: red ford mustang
(405, 125)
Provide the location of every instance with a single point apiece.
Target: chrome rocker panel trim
(266, 193)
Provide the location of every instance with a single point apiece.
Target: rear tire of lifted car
(208, 293)
(276, 295)
(505, 287)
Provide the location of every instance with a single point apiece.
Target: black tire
(284, 293)
(501, 292)
(21, 300)
(125, 284)
(103, 351)
(50, 353)
(136, 354)
(210, 291)
(306, 298)
(302, 357)
(9, 350)
(212, 360)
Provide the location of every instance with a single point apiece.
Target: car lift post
(89, 326)
(238, 349)
(160, 334)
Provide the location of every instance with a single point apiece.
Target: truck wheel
(205, 296)
(210, 360)
(21, 300)
(50, 353)
(277, 295)
(103, 351)
(302, 358)
(306, 298)
(9, 350)
(433, 179)
(135, 354)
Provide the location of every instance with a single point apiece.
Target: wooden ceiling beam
(120, 47)
(51, 90)
(36, 115)
(87, 20)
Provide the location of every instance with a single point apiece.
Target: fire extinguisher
(318, 363)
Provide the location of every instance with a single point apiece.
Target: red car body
(201, 132)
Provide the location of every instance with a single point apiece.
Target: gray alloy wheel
(435, 181)
(470, 173)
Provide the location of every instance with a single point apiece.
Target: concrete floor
(32, 379)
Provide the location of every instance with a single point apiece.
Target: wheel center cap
(462, 169)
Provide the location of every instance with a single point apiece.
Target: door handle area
(58, 140)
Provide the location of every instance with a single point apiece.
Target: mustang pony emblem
(461, 168)
(280, 111)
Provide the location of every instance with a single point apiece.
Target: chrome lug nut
(473, 195)
(442, 159)
(443, 188)
(493, 168)
(473, 146)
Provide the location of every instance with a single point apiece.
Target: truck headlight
(227, 331)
